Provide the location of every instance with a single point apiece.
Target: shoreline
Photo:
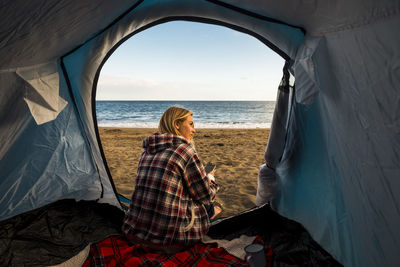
(199, 125)
(237, 152)
(197, 129)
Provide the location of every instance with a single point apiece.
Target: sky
(190, 61)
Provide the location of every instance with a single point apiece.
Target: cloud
(122, 87)
(118, 87)
(115, 81)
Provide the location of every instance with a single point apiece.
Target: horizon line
(165, 100)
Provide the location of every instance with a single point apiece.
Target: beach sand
(238, 153)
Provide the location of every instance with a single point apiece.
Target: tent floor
(53, 234)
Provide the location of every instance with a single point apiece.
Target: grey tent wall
(268, 188)
(44, 159)
(42, 163)
(340, 171)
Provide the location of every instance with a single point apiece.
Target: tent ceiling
(41, 31)
(319, 17)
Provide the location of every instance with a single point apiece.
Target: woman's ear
(176, 124)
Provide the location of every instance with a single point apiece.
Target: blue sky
(191, 61)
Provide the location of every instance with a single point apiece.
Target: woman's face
(186, 128)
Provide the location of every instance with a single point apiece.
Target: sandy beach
(237, 153)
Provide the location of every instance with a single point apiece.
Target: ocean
(207, 114)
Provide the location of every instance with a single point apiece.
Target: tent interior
(332, 160)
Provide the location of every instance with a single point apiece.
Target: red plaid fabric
(171, 188)
(115, 251)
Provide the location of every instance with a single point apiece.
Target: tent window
(230, 81)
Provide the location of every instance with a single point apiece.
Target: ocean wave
(198, 125)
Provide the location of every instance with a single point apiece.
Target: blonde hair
(171, 115)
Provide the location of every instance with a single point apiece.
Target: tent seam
(376, 18)
(80, 120)
(252, 14)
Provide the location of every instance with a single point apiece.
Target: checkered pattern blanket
(116, 251)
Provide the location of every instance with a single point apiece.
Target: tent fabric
(42, 96)
(57, 232)
(54, 233)
(336, 169)
(268, 188)
(290, 242)
(352, 185)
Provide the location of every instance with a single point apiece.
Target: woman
(172, 193)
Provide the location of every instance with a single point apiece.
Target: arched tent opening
(206, 93)
(82, 81)
(338, 171)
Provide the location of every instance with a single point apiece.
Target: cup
(255, 256)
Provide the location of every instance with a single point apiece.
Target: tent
(334, 149)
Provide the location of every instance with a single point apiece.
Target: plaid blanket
(116, 251)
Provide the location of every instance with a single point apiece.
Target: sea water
(207, 114)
